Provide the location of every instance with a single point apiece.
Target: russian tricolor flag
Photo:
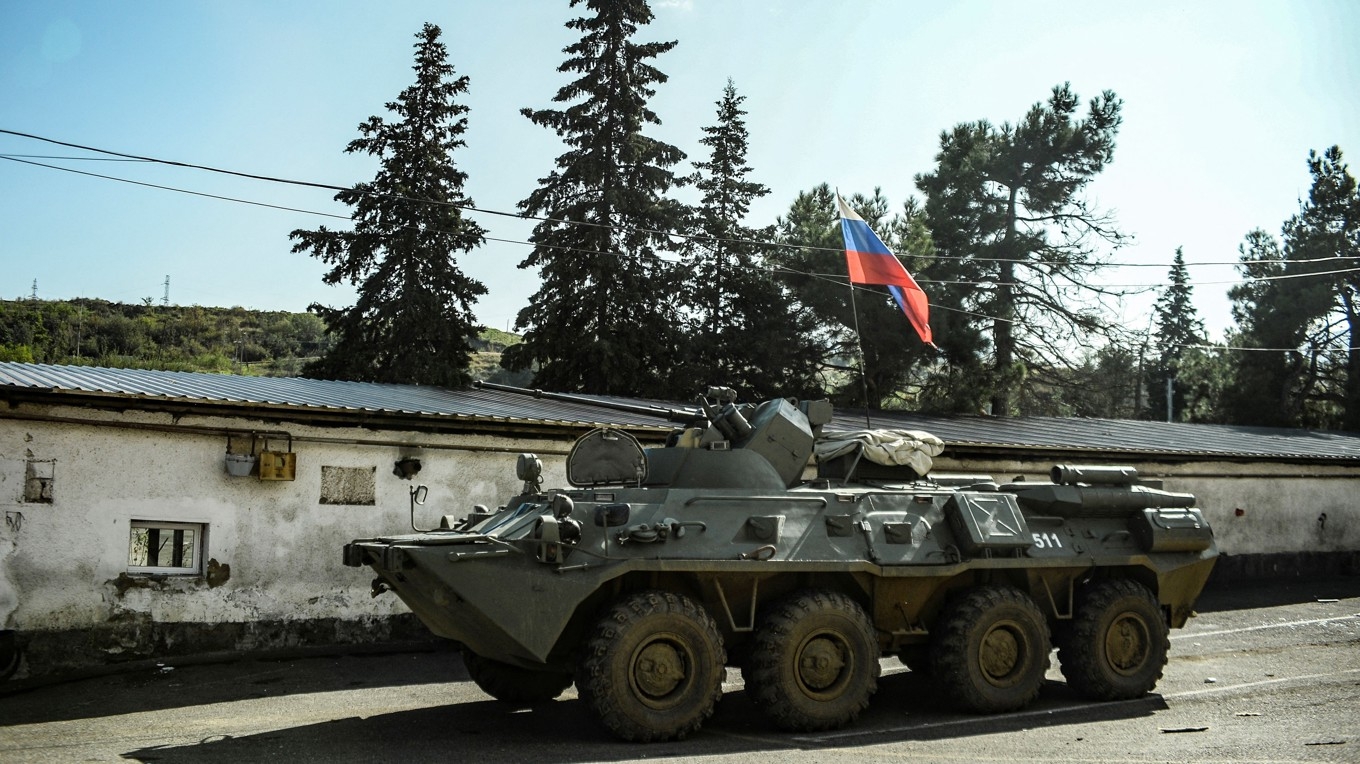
(871, 262)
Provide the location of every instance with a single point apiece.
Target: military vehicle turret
(659, 567)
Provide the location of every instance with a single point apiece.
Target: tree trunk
(1351, 419)
(1003, 328)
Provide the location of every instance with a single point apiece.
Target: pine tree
(1326, 235)
(605, 319)
(1005, 204)
(1309, 318)
(741, 330)
(1265, 389)
(1177, 332)
(413, 321)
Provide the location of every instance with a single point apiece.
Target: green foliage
(1300, 303)
(192, 338)
(172, 338)
(1203, 378)
(16, 353)
(891, 351)
(1104, 386)
(605, 318)
(413, 322)
(1005, 204)
(1177, 331)
(740, 328)
(495, 340)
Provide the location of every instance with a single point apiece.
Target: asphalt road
(1266, 674)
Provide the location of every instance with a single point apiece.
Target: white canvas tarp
(913, 448)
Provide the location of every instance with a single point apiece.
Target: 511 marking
(1047, 541)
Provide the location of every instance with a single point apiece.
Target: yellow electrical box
(278, 465)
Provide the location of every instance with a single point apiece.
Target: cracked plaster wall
(272, 549)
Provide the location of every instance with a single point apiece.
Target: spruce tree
(741, 329)
(1177, 332)
(413, 320)
(606, 317)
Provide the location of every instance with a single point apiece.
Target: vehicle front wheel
(1117, 643)
(513, 685)
(989, 651)
(652, 668)
(815, 662)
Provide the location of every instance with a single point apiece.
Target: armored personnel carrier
(660, 567)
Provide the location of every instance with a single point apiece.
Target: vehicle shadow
(169, 686)
(904, 709)
(1245, 595)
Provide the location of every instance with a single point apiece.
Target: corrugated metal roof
(1119, 435)
(365, 398)
(309, 394)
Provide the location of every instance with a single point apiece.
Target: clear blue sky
(1222, 102)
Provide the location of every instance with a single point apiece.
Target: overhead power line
(16, 158)
(838, 279)
(122, 156)
(1260, 350)
(827, 276)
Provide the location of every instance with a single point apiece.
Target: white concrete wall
(60, 563)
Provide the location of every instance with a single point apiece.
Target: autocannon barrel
(1068, 474)
(1095, 501)
(671, 414)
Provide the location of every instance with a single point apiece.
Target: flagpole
(859, 346)
(869, 261)
(859, 343)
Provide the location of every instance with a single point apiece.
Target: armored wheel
(814, 663)
(652, 668)
(1116, 645)
(513, 685)
(990, 650)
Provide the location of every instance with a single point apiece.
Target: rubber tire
(1116, 646)
(513, 685)
(809, 626)
(989, 650)
(646, 630)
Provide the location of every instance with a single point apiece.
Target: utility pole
(1168, 398)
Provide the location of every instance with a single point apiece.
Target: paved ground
(1266, 674)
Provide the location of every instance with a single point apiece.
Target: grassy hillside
(235, 340)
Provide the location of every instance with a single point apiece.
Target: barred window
(155, 546)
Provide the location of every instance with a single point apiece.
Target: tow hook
(379, 587)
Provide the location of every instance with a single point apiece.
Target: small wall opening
(39, 476)
(349, 485)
